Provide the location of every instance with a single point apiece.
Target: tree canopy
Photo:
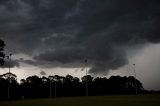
(2, 55)
(63, 86)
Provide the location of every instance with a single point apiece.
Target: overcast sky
(56, 36)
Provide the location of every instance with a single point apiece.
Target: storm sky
(52, 35)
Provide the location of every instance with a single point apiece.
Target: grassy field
(125, 100)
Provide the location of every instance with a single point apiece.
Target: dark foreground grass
(123, 100)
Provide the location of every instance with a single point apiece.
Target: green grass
(122, 100)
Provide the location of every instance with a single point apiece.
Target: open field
(122, 100)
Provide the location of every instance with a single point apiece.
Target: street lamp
(134, 66)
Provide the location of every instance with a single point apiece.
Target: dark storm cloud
(11, 64)
(64, 33)
(42, 73)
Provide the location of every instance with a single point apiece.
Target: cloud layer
(65, 33)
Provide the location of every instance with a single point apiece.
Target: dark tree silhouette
(2, 55)
(13, 85)
(39, 87)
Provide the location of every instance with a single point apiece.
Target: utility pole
(86, 78)
(134, 66)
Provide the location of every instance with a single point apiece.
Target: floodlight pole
(134, 66)
(50, 88)
(55, 89)
(86, 78)
(9, 58)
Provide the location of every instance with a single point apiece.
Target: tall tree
(2, 55)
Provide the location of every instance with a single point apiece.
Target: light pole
(86, 78)
(50, 88)
(55, 89)
(9, 65)
(134, 66)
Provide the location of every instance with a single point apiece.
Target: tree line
(65, 86)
